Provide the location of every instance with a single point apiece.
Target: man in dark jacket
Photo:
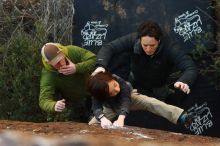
(147, 58)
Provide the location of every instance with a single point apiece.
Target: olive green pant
(146, 103)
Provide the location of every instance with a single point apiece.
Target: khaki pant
(146, 103)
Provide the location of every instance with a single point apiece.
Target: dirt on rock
(80, 134)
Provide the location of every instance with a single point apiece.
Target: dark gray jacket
(125, 55)
(119, 103)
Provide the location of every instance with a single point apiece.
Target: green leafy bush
(20, 75)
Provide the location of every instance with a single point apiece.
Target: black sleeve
(121, 44)
(184, 63)
(97, 107)
(125, 94)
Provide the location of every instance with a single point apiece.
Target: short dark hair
(150, 28)
(98, 85)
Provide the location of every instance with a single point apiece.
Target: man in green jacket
(63, 80)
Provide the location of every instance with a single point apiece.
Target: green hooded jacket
(70, 87)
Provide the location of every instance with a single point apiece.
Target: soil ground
(80, 134)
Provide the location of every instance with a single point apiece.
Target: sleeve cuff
(123, 113)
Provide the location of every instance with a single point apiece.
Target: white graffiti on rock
(94, 33)
(188, 25)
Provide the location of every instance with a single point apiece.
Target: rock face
(14, 133)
